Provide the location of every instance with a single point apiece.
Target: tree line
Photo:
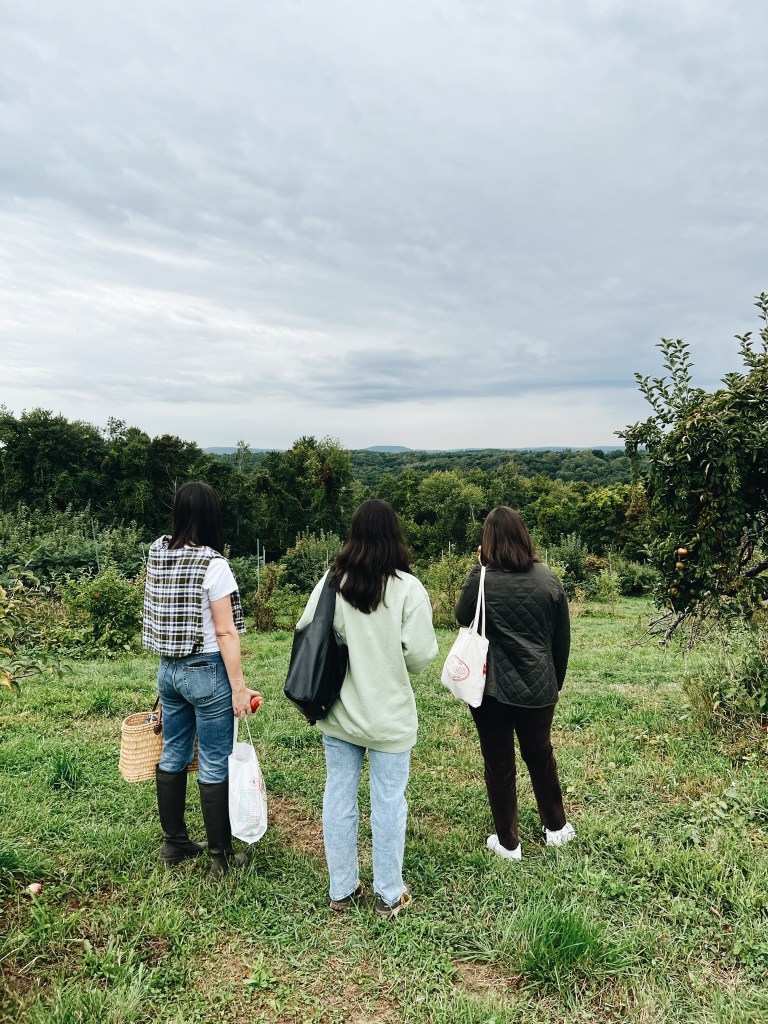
(121, 475)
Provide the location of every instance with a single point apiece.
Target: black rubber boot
(214, 801)
(171, 799)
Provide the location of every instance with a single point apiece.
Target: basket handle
(157, 728)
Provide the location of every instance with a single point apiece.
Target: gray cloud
(379, 206)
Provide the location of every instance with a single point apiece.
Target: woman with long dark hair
(192, 619)
(384, 616)
(528, 630)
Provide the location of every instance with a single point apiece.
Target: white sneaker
(561, 836)
(492, 842)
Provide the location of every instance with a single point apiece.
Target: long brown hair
(506, 541)
(375, 550)
(197, 517)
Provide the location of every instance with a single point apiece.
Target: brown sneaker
(393, 909)
(339, 906)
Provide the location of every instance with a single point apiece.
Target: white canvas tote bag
(464, 669)
(247, 792)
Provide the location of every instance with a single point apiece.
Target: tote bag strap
(326, 604)
(480, 609)
(234, 734)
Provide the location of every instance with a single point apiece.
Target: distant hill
(397, 449)
(599, 466)
(231, 451)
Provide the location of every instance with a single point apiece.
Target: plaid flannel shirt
(173, 599)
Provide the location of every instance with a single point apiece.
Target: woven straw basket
(141, 742)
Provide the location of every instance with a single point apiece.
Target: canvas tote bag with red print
(464, 669)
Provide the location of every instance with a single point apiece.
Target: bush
(571, 554)
(733, 685)
(248, 571)
(443, 579)
(19, 599)
(635, 578)
(304, 563)
(274, 605)
(605, 587)
(110, 606)
(54, 544)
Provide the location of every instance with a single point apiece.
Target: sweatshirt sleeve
(467, 603)
(418, 634)
(561, 639)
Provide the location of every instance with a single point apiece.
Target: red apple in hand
(255, 702)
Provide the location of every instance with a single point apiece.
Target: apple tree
(707, 483)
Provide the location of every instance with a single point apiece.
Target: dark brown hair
(375, 550)
(506, 541)
(197, 517)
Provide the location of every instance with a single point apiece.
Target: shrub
(19, 599)
(443, 579)
(248, 570)
(605, 587)
(276, 606)
(304, 563)
(595, 564)
(571, 553)
(635, 578)
(54, 543)
(733, 684)
(110, 605)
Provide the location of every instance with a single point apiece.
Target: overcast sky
(435, 223)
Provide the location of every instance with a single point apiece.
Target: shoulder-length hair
(197, 517)
(506, 542)
(374, 551)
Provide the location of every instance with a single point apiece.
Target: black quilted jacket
(528, 630)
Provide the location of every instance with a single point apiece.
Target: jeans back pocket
(199, 683)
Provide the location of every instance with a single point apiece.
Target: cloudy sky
(435, 223)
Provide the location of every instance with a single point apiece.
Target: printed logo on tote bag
(465, 667)
(457, 669)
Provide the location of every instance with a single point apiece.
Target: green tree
(604, 517)
(707, 482)
(448, 510)
(46, 461)
(306, 489)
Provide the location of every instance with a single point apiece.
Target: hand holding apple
(255, 701)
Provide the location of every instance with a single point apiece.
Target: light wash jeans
(196, 698)
(389, 812)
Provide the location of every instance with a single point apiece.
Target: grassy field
(656, 913)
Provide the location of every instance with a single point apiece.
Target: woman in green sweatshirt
(384, 616)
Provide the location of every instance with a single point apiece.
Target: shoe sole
(405, 901)
(169, 862)
(339, 906)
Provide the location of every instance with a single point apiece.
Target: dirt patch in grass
(480, 979)
(153, 948)
(17, 982)
(296, 826)
(267, 992)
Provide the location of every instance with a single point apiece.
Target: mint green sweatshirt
(376, 707)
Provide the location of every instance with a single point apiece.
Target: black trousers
(497, 725)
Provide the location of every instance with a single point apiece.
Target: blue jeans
(389, 812)
(196, 698)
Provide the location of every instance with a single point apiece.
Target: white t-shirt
(219, 582)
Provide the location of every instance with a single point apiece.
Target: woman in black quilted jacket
(528, 630)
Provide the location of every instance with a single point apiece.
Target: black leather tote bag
(319, 660)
